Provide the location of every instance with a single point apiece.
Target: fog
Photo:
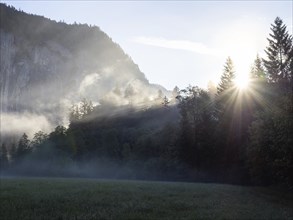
(18, 123)
(45, 116)
(87, 81)
(54, 164)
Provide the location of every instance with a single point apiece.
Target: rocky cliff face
(46, 66)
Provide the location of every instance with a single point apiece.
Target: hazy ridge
(46, 66)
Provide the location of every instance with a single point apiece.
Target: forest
(220, 134)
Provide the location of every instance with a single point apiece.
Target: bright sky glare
(177, 42)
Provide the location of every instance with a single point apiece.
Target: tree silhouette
(227, 78)
(225, 88)
(23, 147)
(257, 70)
(279, 52)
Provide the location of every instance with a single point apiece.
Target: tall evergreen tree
(258, 82)
(228, 115)
(23, 147)
(279, 54)
(257, 70)
(269, 150)
(225, 88)
(227, 78)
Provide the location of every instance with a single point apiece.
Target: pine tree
(257, 70)
(228, 115)
(257, 77)
(23, 147)
(279, 54)
(225, 88)
(227, 78)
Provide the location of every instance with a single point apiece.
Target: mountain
(46, 66)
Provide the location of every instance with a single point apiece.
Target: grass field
(45, 198)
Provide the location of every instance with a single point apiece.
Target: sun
(242, 82)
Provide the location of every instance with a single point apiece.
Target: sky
(177, 43)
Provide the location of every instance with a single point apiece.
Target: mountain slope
(46, 66)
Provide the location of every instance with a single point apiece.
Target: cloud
(196, 47)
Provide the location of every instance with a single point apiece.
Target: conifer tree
(227, 78)
(23, 147)
(257, 70)
(225, 88)
(228, 117)
(279, 54)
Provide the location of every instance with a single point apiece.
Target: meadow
(61, 198)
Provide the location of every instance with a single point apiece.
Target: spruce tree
(228, 115)
(227, 78)
(279, 54)
(226, 87)
(23, 147)
(257, 70)
(258, 81)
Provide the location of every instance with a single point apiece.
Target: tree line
(222, 134)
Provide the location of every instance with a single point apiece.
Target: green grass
(45, 198)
